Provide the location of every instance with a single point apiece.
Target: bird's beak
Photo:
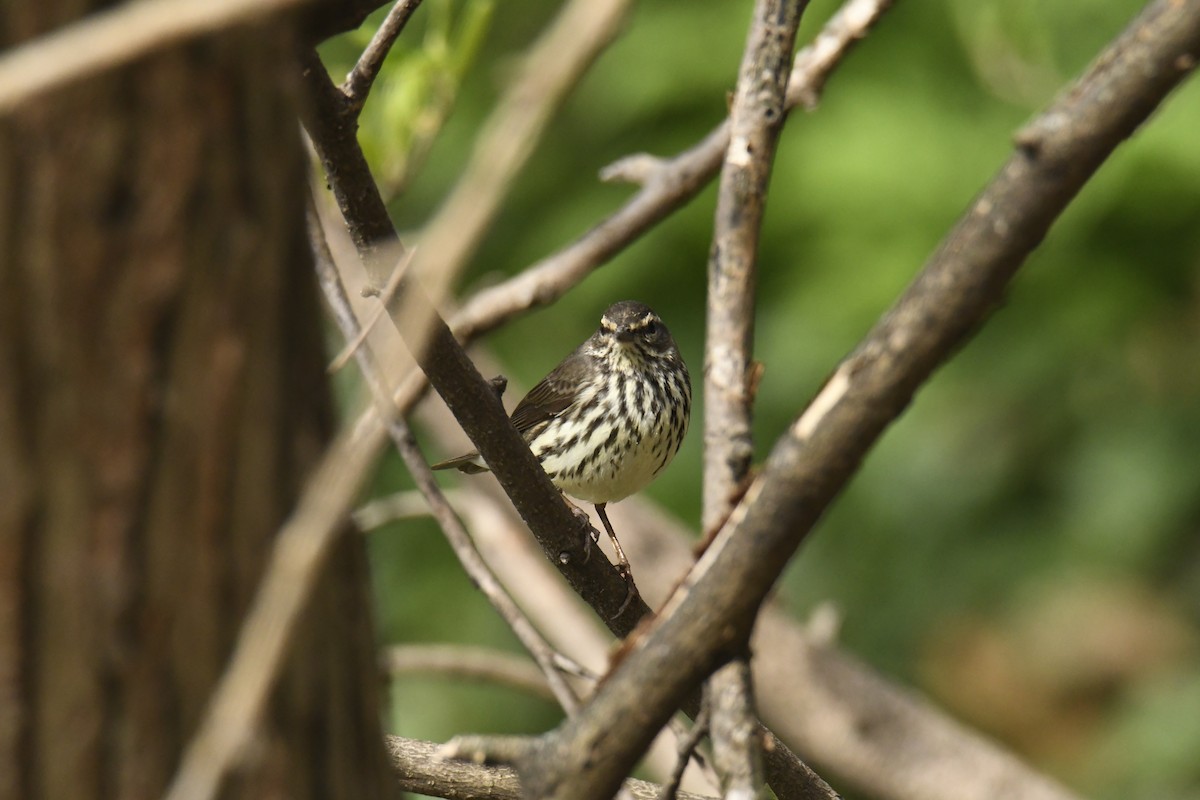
(624, 335)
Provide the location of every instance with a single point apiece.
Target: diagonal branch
(708, 616)
(554, 65)
(115, 36)
(881, 737)
(667, 186)
(362, 77)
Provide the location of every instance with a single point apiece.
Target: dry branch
(472, 663)
(362, 77)
(959, 287)
(549, 71)
(420, 768)
(755, 121)
(116, 36)
(667, 185)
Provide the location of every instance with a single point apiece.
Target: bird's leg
(622, 561)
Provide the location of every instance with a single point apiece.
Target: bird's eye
(653, 329)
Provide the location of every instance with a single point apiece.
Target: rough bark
(161, 397)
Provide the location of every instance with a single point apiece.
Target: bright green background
(1022, 545)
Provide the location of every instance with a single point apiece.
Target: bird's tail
(471, 464)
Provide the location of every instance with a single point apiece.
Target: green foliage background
(1022, 546)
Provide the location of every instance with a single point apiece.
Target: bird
(610, 417)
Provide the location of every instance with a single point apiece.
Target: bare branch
(481, 575)
(332, 126)
(707, 617)
(114, 36)
(394, 507)
(884, 739)
(687, 747)
(554, 65)
(811, 69)
(351, 347)
(362, 77)
(755, 120)
(665, 189)
(473, 663)
(419, 769)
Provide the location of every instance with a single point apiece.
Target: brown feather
(553, 395)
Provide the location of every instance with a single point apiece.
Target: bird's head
(636, 331)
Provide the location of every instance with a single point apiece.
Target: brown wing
(554, 394)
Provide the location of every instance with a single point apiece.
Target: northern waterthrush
(610, 417)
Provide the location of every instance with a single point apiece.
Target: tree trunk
(161, 399)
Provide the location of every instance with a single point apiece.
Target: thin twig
(393, 508)
(687, 746)
(115, 36)
(474, 663)
(481, 576)
(362, 77)
(811, 67)
(351, 347)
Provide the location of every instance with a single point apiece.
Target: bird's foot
(631, 590)
(590, 534)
